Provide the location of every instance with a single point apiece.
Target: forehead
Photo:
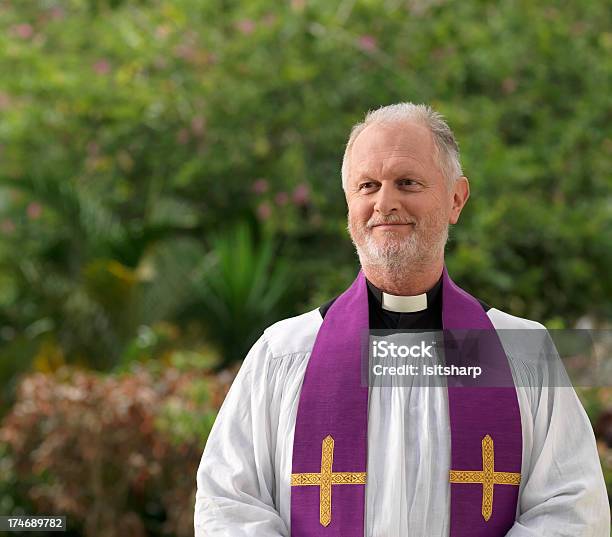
(405, 144)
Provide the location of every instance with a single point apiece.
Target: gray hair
(447, 148)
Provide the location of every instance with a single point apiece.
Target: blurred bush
(598, 405)
(116, 454)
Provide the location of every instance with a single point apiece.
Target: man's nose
(386, 200)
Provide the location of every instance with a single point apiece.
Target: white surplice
(243, 482)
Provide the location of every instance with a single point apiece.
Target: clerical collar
(405, 304)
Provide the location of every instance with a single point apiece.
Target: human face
(399, 202)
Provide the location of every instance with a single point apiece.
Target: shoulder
(293, 335)
(502, 320)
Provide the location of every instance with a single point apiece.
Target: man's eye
(364, 186)
(409, 184)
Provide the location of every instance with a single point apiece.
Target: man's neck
(416, 280)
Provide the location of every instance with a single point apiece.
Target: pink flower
(260, 186)
(185, 51)
(367, 43)
(160, 62)
(264, 211)
(269, 19)
(197, 125)
(246, 26)
(281, 198)
(34, 210)
(182, 136)
(93, 149)
(509, 85)
(5, 100)
(162, 31)
(301, 194)
(57, 12)
(7, 226)
(102, 67)
(24, 31)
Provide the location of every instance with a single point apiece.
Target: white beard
(397, 253)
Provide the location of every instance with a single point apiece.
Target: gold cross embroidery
(326, 478)
(487, 476)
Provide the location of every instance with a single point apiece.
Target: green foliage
(126, 124)
(239, 291)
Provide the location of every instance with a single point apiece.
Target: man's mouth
(391, 226)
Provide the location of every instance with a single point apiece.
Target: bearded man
(302, 447)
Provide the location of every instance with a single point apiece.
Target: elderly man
(302, 447)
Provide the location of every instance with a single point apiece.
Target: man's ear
(461, 193)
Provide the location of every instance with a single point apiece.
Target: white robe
(243, 482)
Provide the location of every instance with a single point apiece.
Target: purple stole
(330, 443)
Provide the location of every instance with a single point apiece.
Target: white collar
(404, 304)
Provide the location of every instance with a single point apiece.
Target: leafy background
(169, 186)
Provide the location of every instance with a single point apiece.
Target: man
(301, 447)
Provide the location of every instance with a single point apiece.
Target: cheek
(419, 208)
(359, 211)
(434, 204)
